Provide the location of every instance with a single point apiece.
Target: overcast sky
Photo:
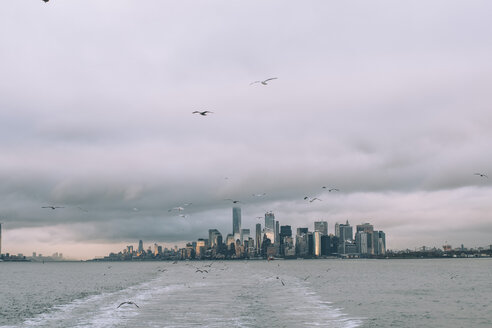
(387, 101)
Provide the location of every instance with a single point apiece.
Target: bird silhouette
(482, 175)
(311, 199)
(204, 113)
(52, 207)
(330, 189)
(264, 82)
(234, 201)
(128, 302)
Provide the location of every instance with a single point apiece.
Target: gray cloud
(388, 102)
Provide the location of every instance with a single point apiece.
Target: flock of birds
(181, 208)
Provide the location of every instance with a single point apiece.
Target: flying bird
(259, 195)
(52, 207)
(234, 201)
(128, 302)
(264, 82)
(259, 217)
(183, 215)
(46, 0)
(187, 204)
(330, 189)
(204, 113)
(202, 271)
(311, 199)
(482, 175)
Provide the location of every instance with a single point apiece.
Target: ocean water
(282, 293)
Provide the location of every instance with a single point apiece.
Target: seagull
(234, 201)
(202, 271)
(259, 195)
(128, 302)
(482, 175)
(330, 189)
(179, 209)
(187, 204)
(204, 113)
(264, 82)
(259, 217)
(311, 199)
(46, 0)
(52, 207)
(183, 215)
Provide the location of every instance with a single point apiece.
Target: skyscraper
(382, 243)
(236, 223)
(277, 232)
(346, 237)
(285, 234)
(270, 226)
(346, 232)
(317, 243)
(244, 235)
(368, 246)
(258, 238)
(361, 242)
(301, 231)
(140, 246)
(321, 226)
(285, 231)
(213, 234)
(365, 227)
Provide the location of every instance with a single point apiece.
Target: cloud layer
(388, 102)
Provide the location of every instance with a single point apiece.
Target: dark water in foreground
(307, 293)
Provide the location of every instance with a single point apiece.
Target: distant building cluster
(270, 241)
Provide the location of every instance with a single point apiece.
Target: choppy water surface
(298, 293)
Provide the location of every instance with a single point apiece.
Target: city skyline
(383, 115)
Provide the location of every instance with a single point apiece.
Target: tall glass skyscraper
(236, 223)
(270, 226)
(258, 238)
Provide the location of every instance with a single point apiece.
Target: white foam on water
(185, 299)
(296, 304)
(100, 310)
